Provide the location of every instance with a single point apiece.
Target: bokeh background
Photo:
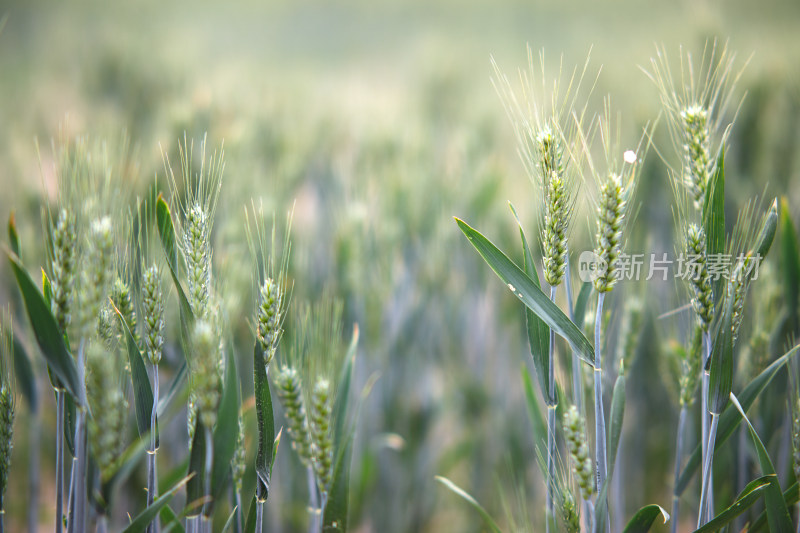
(379, 122)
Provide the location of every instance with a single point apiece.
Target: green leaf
(525, 289)
(721, 362)
(13, 236)
(790, 262)
(714, 217)
(777, 513)
(582, 303)
(227, 425)
(266, 424)
(229, 522)
(334, 518)
(490, 523)
(25, 378)
(144, 518)
(614, 435)
(749, 495)
(730, 419)
(791, 496)
(250, 523)
(644, 518)
(45, 329)
(166, 232)
(535, 414)
(170, 521)
(343, 393)
(538, 332)
(195, 489)
(767, 232)
(142, 393)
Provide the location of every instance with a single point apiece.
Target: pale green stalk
(59, 460)
(678, 457)
(599, 414)
(706, 480)
(551, 424)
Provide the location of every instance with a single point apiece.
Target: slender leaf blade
(766, 235)
(144, 518)
(644, 519)
(791, 496)
(790, 261)
(730, 419)
(777, 513)
(721, 363)
(13, 235)
(335, 516)
(538, 332)
(582, 303)
(227, 425)
(343, 393)
(45, 329)
(166, 233)
(714, 217)
(24, 375)
(535, 414)
(195, 488)
(142, 393)
(749, 495)
(488, 520)
(266, 424)
(525, 289)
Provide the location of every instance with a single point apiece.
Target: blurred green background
(380, 121)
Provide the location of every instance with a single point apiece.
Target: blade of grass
(791, 496)
(778, 516)
(266, 424)
(488, 520)
(142, 392)
(525, 289)
(730, 419)
(749, 495)
(644, 519)
(141, 521)
(790, 262)
(227, 425)
(45, 329)
(714, 217)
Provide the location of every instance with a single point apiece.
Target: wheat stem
(678, 458)
(77, 520)
(577, 374)
(260, 515)
(152, 486)
(206, 515)
(704, 494)
(551, 423)
(599, 415)
(59, 460)
(315, 524)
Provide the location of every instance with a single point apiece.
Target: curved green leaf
(166, 232)
(767, 232)
(144, 518)
(790, 262)
(142, 393)
(490, 523)
(535, 414)
(644, 518)
(45, 329)
(26, 379)
(343, 393)
(334, 517)
(721, 362)
(227, 425)
(582, 303)
(195, 488)
(250, 523)
(749, 495)
(791, 496)
(730, 418)
(266, 424)
(714, 217)
(777, 513)
(525, 289)
(538, 332)
(13, 236)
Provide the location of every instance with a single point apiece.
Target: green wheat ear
(153, 313)
(96, 273)
(575, 436)
(123, 300)
(205, 377)
(108, 406)
(62, 267)
(703, 300)
(290, 392)
(610, 214)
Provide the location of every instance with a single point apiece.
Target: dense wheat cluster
(234, 298)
